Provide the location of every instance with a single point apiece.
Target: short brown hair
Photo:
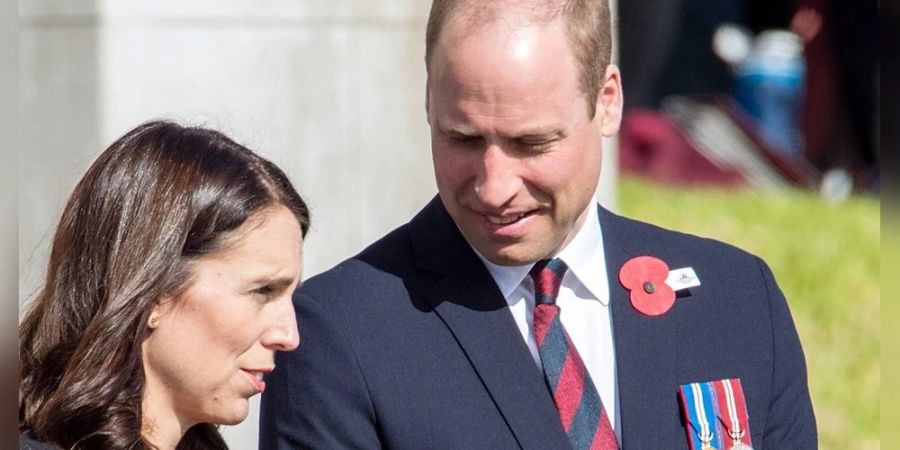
(161, 196)
(587, 24)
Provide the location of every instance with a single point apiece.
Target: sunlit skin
(216, 339)
(516, 155)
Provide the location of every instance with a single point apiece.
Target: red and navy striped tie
(580, 408)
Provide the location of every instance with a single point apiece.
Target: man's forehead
(469, 16)
(526, 10)
(500, 57)
(528, 66)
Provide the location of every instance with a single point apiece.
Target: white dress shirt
(584, 308)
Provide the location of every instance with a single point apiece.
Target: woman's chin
(234, 416)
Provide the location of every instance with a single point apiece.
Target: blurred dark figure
(667, 50)
(667, 44)
(840, 114)
(761, 15)
(646, 30)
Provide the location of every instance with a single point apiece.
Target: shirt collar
(583, 254)
(586, 259)
(508, 278)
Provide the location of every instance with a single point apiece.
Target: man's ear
(427, 103)
(610, 102)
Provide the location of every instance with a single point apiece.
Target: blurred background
(754, 122)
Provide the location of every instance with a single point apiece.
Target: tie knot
(547, 275)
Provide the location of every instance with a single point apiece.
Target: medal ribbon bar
(733, 413)
(716, 414)
(700, 404)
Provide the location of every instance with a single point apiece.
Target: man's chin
(512, 255)
(507, 250)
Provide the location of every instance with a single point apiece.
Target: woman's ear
(159, 308)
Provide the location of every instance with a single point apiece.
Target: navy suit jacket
(410, 345)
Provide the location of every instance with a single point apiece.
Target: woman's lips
(256, 379)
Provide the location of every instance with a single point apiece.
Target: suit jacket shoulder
(26, 442)
(626, 232)
(736, 324)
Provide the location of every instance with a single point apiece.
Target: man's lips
(508, 224)
(505, 219)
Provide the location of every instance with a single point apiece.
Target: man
(449, 332)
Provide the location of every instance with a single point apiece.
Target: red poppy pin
(645, 277)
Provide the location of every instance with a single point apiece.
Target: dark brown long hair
(157, 198)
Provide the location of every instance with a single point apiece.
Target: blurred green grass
(826, 258)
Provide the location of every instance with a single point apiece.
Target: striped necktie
(580, 409)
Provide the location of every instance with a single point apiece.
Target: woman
(168, 291)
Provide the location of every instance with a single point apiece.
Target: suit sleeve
(791, 422)
(317, 397)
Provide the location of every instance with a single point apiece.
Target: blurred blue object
(770, 86)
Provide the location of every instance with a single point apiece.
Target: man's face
(516, 155)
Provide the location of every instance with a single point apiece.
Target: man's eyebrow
(541, 132)
(458, 129)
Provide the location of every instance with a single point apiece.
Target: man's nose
(497, 181)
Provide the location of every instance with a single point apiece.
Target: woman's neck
(160, 423)
(163, 432)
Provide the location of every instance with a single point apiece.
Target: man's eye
(464, 140)
(536, 145)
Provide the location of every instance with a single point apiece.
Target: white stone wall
(331, 90)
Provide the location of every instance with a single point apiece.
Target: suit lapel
(470, 304)
(646, 349)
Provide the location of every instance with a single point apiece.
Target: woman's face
(214, 342)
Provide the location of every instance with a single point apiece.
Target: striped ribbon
(579, 405)
(716, 415)
(733, 411)
(700, 407)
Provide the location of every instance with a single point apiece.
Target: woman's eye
(266, 291)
